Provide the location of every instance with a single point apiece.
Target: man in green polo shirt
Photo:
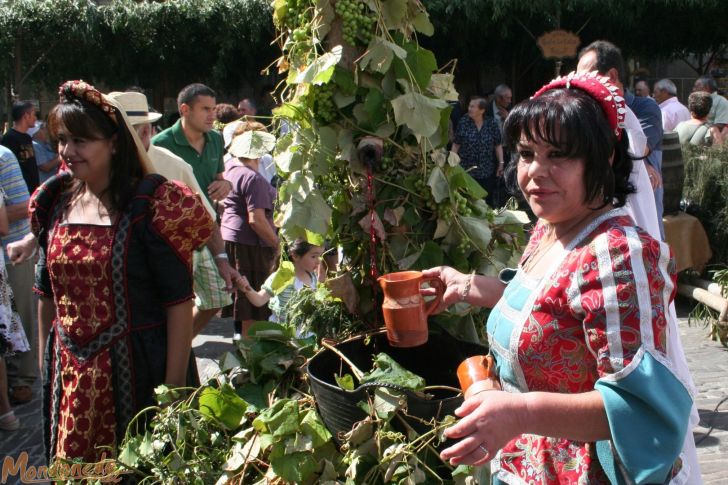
(193, 139)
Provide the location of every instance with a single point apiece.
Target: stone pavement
(708, 361)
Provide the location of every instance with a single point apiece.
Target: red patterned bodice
(79, 260)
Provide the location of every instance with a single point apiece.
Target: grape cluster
(323, 105)
(297, 14)
(424, 190)
(358, 22)
(461, 203)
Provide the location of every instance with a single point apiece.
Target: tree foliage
(497, 31)
(227, 42)
(223, 42)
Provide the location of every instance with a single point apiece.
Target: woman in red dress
(114, 277)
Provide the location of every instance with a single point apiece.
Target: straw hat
(136, 107)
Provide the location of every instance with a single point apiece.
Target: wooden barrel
(672, 173)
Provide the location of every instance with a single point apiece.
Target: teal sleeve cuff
(648, 410)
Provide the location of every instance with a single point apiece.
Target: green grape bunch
(298, 14)
(321, 99)
(358, 21)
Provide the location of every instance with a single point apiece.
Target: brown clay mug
(405, 311)
(475, 369)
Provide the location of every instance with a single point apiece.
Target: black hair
(608, 56)
(20, 108)
(299, 248)
(86, 120)
(700, 103)
(189, 93)
(574, 122)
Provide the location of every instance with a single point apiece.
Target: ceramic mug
(473, 370)
(405, 311)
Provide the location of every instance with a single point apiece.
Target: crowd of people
(142, 238)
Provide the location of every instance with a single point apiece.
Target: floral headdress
(601, 89)
(83, 90)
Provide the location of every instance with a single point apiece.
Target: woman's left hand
(490, 420)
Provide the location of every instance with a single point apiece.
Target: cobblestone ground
(707, 359)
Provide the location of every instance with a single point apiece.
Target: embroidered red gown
(111, 285)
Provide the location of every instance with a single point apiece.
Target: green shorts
(209, 286)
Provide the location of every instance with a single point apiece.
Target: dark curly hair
(574, 122)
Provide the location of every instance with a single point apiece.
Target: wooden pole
(716, 302)
(712, 287)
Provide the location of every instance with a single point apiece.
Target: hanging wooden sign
(558, 44)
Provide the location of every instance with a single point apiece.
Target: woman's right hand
(455, 283)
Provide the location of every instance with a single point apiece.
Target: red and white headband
(598, 87)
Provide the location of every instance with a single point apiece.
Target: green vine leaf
(386, 369)
(300, 185)
(421, 64)
(252, 144)
(418, 112)
(431, 256)
(222, 404)
(311, 425)
(294, 467)
(312, 214)
(280, 8)
(346, 382)
(460, 179)
(284, 276)
(323, 16)
(439, 185)
(379, 55)
(280, 419)
(394, 12)
(478, 231)
(320, 71)
(442, 229)
(453, 159)
(442, 86)
(421, 22)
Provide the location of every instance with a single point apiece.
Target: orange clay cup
(405, 311)
(474, 370)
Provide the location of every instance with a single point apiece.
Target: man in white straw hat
(213, 277)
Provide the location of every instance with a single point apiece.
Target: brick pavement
(708, 361)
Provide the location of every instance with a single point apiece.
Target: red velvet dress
(111, 285)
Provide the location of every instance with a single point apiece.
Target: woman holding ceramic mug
(584, 391)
